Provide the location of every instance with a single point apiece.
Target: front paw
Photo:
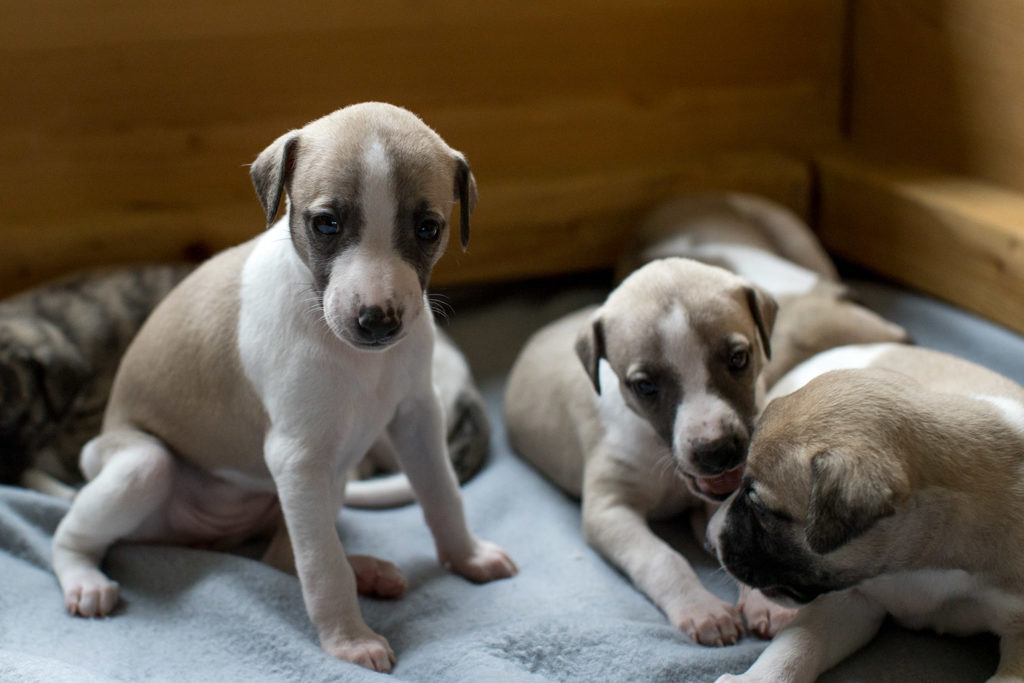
(763, 617)
(484, 562)
(366, 649)
(709, 621)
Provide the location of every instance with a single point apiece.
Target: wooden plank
(954, 237)
(522, 227)
(940, 83)
(126, 129)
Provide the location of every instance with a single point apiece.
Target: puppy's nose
(719, 455)
(377, 325)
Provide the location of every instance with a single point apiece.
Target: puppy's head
(687, 342)
(818, 508)
(370, 190)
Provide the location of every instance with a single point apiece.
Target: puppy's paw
(485, 562)
(763, 617)
(377, 578)
(367, 649)
(89, 593)
(709, 621)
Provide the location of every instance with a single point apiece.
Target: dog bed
(194, 615)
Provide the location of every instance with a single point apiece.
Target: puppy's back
(182, 379)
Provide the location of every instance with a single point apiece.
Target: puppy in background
(269, 372)
(643, 408)
(888, 482)
(770, 246)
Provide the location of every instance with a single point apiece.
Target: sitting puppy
(262, 378)
(890, 487)
(643, 407)
(770, 246)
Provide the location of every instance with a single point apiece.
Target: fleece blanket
(195, 615)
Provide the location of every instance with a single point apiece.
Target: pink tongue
(723, 484)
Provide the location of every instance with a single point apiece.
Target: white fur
(1011, 410)
(776, 275)
(854, 356)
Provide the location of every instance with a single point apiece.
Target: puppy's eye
(428, 229)
(326, 224)
(739, 358)
(644, 387)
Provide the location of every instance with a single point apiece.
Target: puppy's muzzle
(376, 326)
(714, 456)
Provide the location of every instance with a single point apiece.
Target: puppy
(643, 407)
(891, 486)
(770, 246)
(261, 379)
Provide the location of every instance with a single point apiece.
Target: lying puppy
(891, 488)
(642, 407)
(770, 246)
(260, 380)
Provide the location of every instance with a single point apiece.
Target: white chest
(945, 600)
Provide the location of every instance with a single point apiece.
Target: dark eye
(755, 505)
(326, 224)
(738, 359)
(428, 229)
(643, 387)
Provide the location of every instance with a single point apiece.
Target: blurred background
(895, 127)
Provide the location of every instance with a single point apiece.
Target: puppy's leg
(821, 635)
(763, 617)
(1011, 659)
(132, 475)
(309, 501)
(615, 525)
(374, 577)
(418, 435)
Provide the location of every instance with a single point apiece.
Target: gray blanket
(193, 615)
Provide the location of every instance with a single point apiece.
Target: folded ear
(590, 349)
(465, 194)
(848, 496)
(272, 170)
(763, 308)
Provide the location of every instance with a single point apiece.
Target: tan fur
(889, 472)
(821, 318)
(158, 383)
(728, 217)
(609, 456)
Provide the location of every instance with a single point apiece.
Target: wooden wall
(126, 126)
(929, 186)
(896, 126)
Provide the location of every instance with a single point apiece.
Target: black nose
(719, 455)
(377, 325)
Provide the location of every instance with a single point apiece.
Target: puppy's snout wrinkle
(376, 324)
(719, 455)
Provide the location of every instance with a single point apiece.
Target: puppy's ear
(590, 349)
(272, 170)
(763, 308)
(465, 194)
(848, 495)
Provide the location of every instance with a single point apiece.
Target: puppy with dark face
(887, 482)
(269, 372)
(643, 408)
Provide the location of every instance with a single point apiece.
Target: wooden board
(940, 83)
(953, 237)
(126, 128)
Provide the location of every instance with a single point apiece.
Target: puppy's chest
(946, 600)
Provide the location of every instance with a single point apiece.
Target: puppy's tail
(40, 481)
(469, 439)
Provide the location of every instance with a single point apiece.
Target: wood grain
(126, 128)
(954, 237)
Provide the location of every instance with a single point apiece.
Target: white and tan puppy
(770, 246)
(260, 380)
(641, 406)
(893, 486)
